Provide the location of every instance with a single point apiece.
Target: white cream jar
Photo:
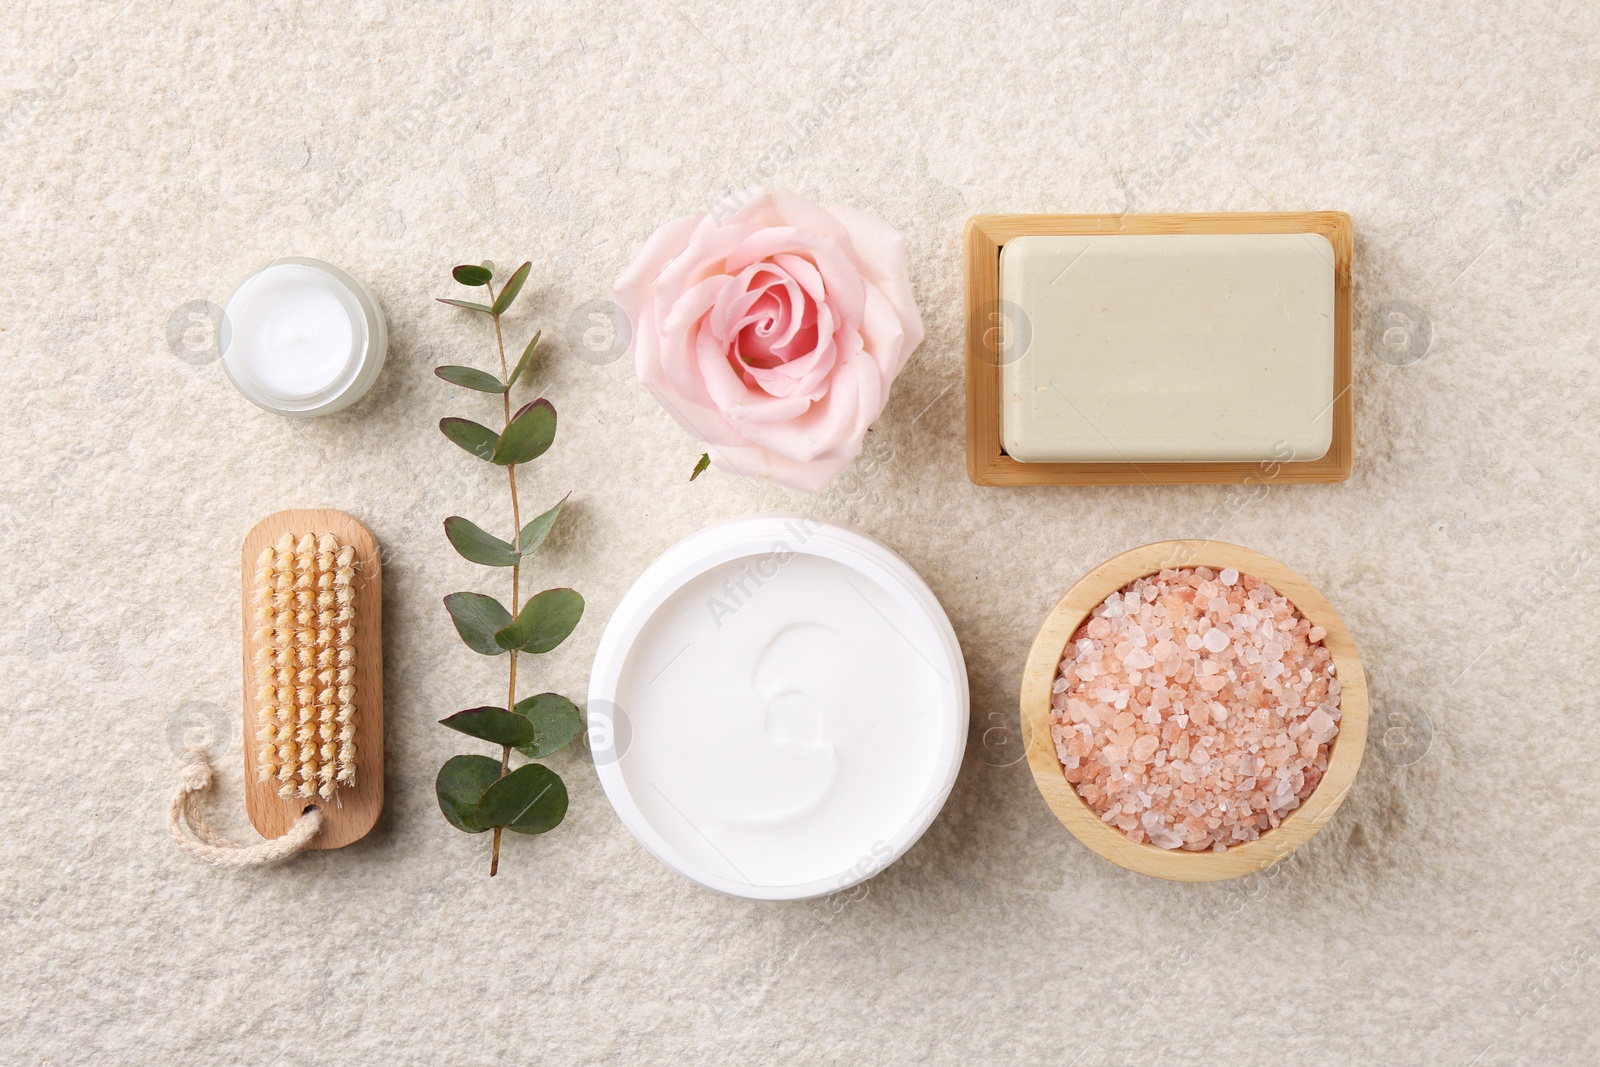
(301, 337)
(778, 708)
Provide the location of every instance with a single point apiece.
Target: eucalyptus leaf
(522, 364)
(533, 534)
(529, 434)
(555, 722)
(495, 725)
(472, 274)
(543, 623)
(468, 304)
(530, 800)
(471, 378)
(700, 467)
(513, 286)
(478, 618)
(472, 436)
(460, 787)
(478, 545)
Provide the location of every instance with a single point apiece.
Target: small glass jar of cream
(300, 337)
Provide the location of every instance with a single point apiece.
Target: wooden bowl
(1344, 754)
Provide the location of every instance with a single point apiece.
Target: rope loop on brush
(186, 822)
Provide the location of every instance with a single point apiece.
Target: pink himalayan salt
(1194, 710)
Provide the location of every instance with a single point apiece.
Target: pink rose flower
(774, 332)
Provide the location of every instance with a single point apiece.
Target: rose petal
(752, 461)
(804, 272)
(883, 332)
(677, 332)
(635, 287)
(880, 252)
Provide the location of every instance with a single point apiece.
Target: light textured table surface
(154, 153)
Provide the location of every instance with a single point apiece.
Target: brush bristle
(305, 665)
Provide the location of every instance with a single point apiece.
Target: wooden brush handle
(354, 808)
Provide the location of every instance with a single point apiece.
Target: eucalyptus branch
(478, 793)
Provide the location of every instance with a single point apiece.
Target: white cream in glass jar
(301, 337)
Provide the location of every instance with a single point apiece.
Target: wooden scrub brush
(313, 706)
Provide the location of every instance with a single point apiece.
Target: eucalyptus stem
(516, 568)
(476, 792)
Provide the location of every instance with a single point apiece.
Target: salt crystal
(1229, 576)
(1215, 640)
(1166, 838)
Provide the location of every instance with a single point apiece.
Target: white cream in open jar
(301, 337)
(778, 708)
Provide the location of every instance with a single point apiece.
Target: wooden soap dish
(988, 326)
(1344, 753)
(353, 808)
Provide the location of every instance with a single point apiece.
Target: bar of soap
(1167, 347)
